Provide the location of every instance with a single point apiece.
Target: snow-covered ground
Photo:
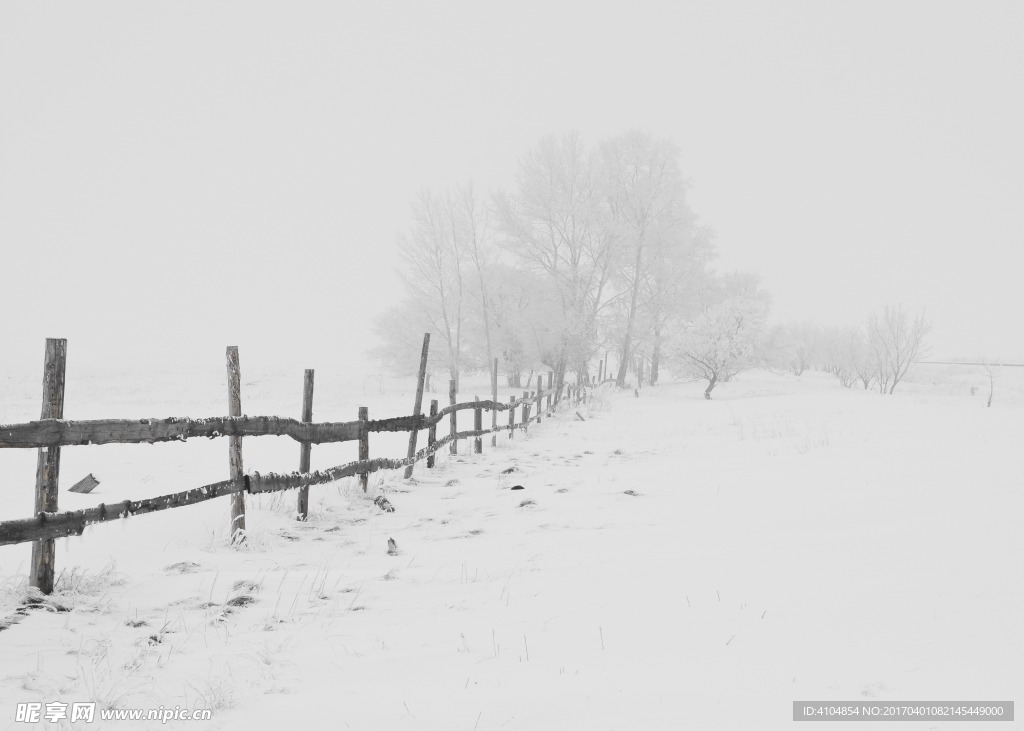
(669, 563)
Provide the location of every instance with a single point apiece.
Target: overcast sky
(180, 176)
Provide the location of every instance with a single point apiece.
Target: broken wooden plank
(85, 485)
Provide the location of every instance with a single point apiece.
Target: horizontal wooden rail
(54, 432)
(64, 433)
(73, 523)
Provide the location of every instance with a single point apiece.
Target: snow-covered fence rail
(60, 433)
(50, 434)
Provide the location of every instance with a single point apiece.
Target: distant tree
(433, 272)
(804, 346)
(401, 328)
(990, 371)
(677, 282)
(555, 225)
(646, 198)
(859, 357)
(897, 342)
(470, 224)
(511, 296)
(725, 339)
(843, 352)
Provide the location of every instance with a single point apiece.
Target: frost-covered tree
(804, 343)
(725, 339)
(843, 352)
(896, 342)
(593, 250)
(447, 263)
(677, 282)
(402, 327)
(433, 271)
(470, 221)
(555, 224)
(650, 218)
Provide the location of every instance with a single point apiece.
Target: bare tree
(470, 225)
(646, 198)
(897, 342)
(990, 370)
(844, 353)
(401, 329)
(804, 344)
(433, 273)
(555, 225)
(677, 282)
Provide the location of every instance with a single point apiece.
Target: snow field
(789, 540)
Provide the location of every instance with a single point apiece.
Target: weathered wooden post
(478, 426)
(551, 378)
(453, 418)
(540, 397)
(42, 570)
(600, 370)
(494, 399)
(417, 408)
(526, 410)
(432, 433)
(305, 448)
(364, 445)
(511, 416)
(235, 445)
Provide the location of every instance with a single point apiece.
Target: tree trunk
(656, 356)
(627, 338)
(711, 384)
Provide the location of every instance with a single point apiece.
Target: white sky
(177, 177)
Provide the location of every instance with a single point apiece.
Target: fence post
(432, 433)
(551, 378)
(364, 445)
(305, 448)
(494, 399)
(526, 410)
(511, 416)
(540, 396)
(41, 573)
(453, 417)
(235, 445)
(478, 426)
(417, 408)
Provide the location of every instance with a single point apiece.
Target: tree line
(594, 254)
(593, 250)
(877, 354)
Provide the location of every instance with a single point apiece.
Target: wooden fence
(52, 431)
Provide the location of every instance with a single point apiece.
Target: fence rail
(52, 433)
(61, 433)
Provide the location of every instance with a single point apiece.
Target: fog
(176, 178)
